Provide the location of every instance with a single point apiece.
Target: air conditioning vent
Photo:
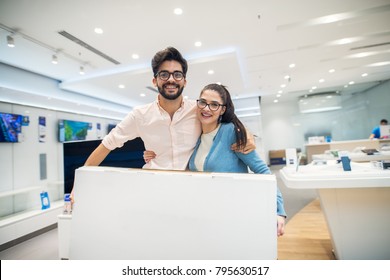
(370, 46)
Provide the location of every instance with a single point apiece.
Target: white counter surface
(356, 205)
(357, 157)
(332, 175)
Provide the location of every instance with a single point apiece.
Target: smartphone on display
(346, 163)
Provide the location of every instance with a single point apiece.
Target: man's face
(170, 89)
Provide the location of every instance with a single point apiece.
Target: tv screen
(10, 127)
(110, 127)
(72, 130)
(76, 153)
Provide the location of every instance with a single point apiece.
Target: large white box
(138, 214)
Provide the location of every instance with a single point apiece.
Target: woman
(220, 129)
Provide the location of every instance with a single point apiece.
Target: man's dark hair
(168, 54)
(383, 121)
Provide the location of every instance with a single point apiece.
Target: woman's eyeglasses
(213, 106)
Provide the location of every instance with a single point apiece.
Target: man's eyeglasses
(213, 106)
(164, 75)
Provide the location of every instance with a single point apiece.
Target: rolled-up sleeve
(124, 131)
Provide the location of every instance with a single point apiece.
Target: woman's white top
(206, 141)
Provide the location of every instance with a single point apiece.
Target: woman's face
(209, 117)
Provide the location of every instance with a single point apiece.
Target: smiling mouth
(171, 86)
(205, 115)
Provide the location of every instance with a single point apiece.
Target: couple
(170, 128)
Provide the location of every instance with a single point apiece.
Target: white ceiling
(249, 44)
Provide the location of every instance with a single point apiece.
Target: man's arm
(94, 159)
(97, 156)
(250, 144)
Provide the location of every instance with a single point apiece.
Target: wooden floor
(306, 236)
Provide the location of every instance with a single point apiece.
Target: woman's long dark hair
(229, 116)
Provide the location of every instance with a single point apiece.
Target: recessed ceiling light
(286, 77)
(10, 41)
(332, 71)
(346, 86)
(210, 72)
(313, 87)
(98, 30)
(276, 101)
(292, 65)
(142, 95)
(364, 75)
(198, 44)
(321, 80)
(283, 86)
(351, 82)
(178, 11)
(278, 95)
(135, 56)
(54, 59)
(185, 97)
(121, 86)
(82, 72)
(280, 91)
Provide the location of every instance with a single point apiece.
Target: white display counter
(357, 157)
(64, 233)
(356, 205)
(141, 214)
(320, 148)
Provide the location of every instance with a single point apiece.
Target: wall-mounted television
(73, 130)
(110, 127)
(76, 153)
(10, 127)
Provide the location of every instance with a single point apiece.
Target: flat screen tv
(76, 153)
(72, 130)
(110, 127)
(10, 127)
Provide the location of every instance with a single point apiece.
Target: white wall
(19, 162)
(284, 126)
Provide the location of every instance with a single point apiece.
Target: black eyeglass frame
(170, 73)
(208, 104)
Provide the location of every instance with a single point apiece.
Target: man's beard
(166, 95)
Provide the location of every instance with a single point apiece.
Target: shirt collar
(161, 108)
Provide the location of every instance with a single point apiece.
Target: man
(168, 126)
(376, 132)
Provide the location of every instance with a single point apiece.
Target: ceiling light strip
(87, 46)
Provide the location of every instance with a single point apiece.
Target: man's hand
(249, 147)
(149, 155)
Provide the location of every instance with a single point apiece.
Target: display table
(357, 157)
(320, 148)
(356, 205)
(64, 232)
(138, 214)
